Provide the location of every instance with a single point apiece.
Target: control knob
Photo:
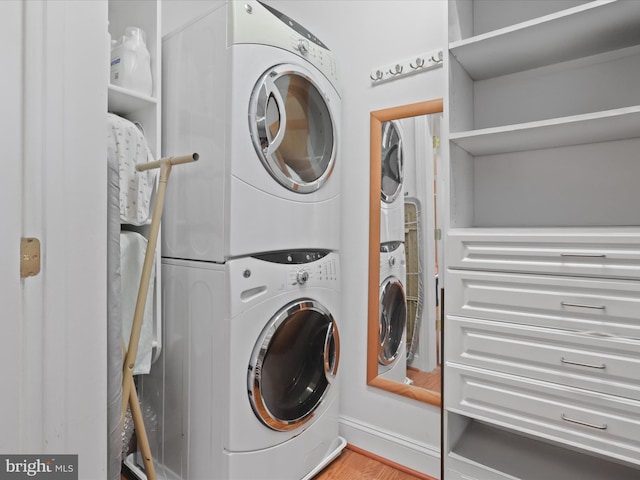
(303, 46)
(302, 276)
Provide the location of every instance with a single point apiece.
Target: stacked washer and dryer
(392, 320)
(246, 386)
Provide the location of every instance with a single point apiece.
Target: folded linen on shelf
(133, 247)
(128, 145)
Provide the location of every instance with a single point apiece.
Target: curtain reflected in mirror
(403, 246)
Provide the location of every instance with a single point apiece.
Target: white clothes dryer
(255, 94)
(392, 183)
(392, 320)
(246, 386)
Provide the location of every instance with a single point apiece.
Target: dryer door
(392, 320)
(392, 162)
(293, 365)
(292, 128)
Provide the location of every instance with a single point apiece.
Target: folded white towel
(127, 144)
(133, 247)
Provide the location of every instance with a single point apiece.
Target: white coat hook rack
(409, 66)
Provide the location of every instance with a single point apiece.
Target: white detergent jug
(131, 62)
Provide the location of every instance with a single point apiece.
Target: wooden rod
(145, 280)
(129, 394)
(165, 165)
(141, 167)
(141, 434)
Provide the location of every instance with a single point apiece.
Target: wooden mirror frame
(373, 380)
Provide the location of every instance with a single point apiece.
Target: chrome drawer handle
(584, 255)
(599, 427)
(602, 366)
(583, 305)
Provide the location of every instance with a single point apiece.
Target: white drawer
(609, 253)
(603, 307)
(601, 423)
(608, 365)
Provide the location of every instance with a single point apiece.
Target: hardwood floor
(428, 380)
(354, 465)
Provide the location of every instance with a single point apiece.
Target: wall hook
(437, 59)
(422, 62)
(397, 71)
(378, 76)
(419, 63)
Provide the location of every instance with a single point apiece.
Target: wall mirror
(404, 340)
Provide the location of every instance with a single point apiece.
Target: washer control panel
(306, 267)
(255, 22)
(316, 273)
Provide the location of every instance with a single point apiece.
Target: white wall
(366, 34)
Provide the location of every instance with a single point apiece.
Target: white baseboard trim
(396, 448)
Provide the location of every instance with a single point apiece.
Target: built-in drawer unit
(594, 421)
(600, 252)
(597, 306)
(603, 364)
(541, 348)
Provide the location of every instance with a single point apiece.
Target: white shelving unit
(543, 249)
(139, 108)
(582, 31)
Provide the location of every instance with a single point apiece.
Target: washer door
(392, 162)
(392, 320)
(293, 365)
(292, 128)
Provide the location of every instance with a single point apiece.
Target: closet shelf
(494, 453)
(124, 102)
(531, 233)
(608, 125)
(588, 29)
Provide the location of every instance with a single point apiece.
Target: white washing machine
(254, 93)
(392, 183)
(246, 387)
(392, 320)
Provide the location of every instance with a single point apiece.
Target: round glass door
(292, 128)
(293, 365)
(392, 320)
(392, 162)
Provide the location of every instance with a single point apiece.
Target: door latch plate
(29, 257)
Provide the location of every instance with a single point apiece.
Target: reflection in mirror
(421, 247)
(403, 335)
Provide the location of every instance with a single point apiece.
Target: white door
(10, 204)
(53, 187)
